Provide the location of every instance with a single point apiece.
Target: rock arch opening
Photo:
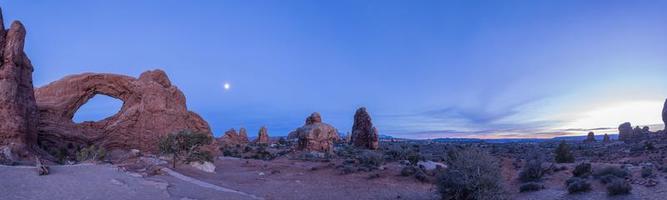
(97, 108)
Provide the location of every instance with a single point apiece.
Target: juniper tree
(183, 144)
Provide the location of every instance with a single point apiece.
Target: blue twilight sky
(422, 68)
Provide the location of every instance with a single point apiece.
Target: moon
(226, 86)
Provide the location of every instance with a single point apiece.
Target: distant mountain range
(511, 140)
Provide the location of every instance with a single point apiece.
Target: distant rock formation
(315, 135)
(606, 138)
(231, 138)
(640, 133)
(262, 136)
(590, 137)
(18, 109)
(243, 135)
(625, 131)
(364, 134)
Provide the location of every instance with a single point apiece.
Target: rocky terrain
(155, 148)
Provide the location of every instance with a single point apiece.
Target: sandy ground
(291, 179)
(234, 179)
(79, 182)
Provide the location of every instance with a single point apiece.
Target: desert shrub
(421, 176)
(577, 185)
(370, 159)
(610, 171)
(348, 169)
(649, 146)
(530, 187)
(184, 144)
(60, 154)
(261, 153)
(472, 174)
(608, 178)
(91, 153)
(618, 187)
(563, 154)
(532, 171)
(582, 170)
(230, 152)
(403, 154)
(409, 170)
(374, 176)
(314, 156)
(199, 156)
(347, 151)
(647, 172)
(282, 141)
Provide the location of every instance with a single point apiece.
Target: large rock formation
(315, 135)
(18, 111)
(233, 139)
(262, 136)
(590, 137)
(625, 132)
(152, 108)
(364, 134)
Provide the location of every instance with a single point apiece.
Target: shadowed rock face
(315, 135)
(364, 135)
(262, 136)
(152, 108)
(664, 115)
(18, 111)
(625, 131)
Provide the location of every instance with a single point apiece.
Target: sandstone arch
(152, 108)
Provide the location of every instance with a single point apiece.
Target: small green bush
(409, 171)
(532, 171)
(618, 187)
(610, 170)
(403, 154)
(199, 156)
(530, 187)
(563, 154)
(582, 170)
(91, 153)
(649, 146)
(230, 152)
(577, 185)
(184, 144)
(282, 141)
(370, 159)
(607, 178)
(421, 176)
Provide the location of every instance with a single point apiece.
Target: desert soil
(234, 179)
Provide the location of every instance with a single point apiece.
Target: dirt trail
(89, 181)
(207, 185)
